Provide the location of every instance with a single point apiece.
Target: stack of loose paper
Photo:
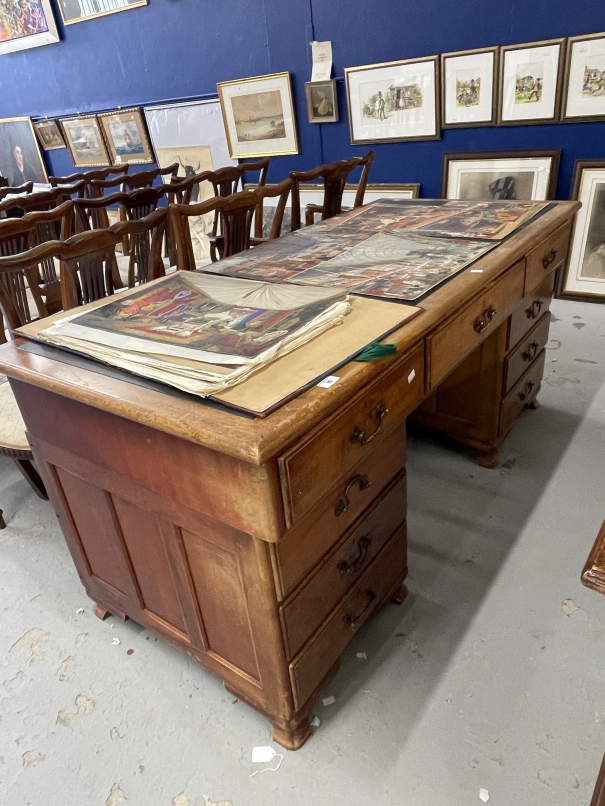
(200, 333)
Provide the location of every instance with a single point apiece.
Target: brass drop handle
(353, 621)
(355, 563)
(358, 435)
(550, 258)
(531, 352)
(484, 320)
(363, 482)
(534, 310)
(526, 391)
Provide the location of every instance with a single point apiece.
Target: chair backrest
(31, 202)
(19, 189)
(186, 190)
(365, 164)
(236, 214)
(88, 177)
(146, 235)
(334, 178)
(140, 179)
(226, 181)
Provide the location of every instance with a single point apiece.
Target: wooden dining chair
(335, 177)
(88, 177)
(140, 179)
(225, 182)
(236, 213)
(27, 187)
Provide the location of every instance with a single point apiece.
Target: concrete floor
(491, 675)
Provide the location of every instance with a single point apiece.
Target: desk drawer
(314, 662)
(328, 454)
(523, 355)
(307, 543)
(522, 393)
(307, 610)
(530, 310)
(547, 257)
(455, 340)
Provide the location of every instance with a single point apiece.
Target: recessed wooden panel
(547, 257)
(150, 563)
(222, 601)
(90, 510)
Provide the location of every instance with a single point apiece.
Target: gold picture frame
(66, 5)
(258, 114)
(49, 134)
(20, 156)
(84, 140)
(126, 137)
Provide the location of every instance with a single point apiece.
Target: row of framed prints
(536, 82)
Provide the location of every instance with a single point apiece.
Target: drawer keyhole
(363, 482)
(359, 436)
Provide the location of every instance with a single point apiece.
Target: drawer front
(455, 340)
(524, 354)
(307, 543)
(523, 392)
(329, 453)
(314, 662)
(547, 257)
(309, 607)
(530, 310)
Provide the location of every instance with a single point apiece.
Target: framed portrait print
(85, 142)
(49, 134)
(80, 10)
(20, 157)
(468, 88)
(585, 78)
(259, 116)
(584, 277)
(393, 101)
(530, 82)
(322, 104)
(27, 24)
(488, 176)
(126, 137)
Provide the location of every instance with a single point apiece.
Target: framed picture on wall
(514, 175)
(584, 277)
(585, 78)
(322, 104)
(259, 116)
(126, 137)
(49, 134)
(468, 88)
(20, 157)
(26, 24)
(530, 82)
(394, 101)
(80, 10)
(85, 142)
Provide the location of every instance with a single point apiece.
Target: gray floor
(491, 676)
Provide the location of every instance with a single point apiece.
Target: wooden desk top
(258, 440)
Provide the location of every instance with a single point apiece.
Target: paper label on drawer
(328, 382)
(411, 376)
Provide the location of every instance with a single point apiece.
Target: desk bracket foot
(533, 405)
(400, 595)
(2, 521)
(489, 458)
(103, 612)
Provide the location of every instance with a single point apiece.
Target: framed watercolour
(322, 103)
(259, 116)
(393, 101)
(20, 157)
(515, 175)
(468, 88)
(530, 84)
(85, 142)
(26, 24)
(584, 277)
(49, 134)
(80, 10)
(585, 78)
(126, 137)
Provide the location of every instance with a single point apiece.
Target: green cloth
(374, 351)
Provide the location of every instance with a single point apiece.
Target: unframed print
(468, 88)
(20, 157)
(530, 83)
(586, 269)
(586, 78)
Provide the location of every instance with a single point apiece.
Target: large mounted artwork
(126, 137)
(26, 24)
(530, 82)
(394, 101)
(585, 274)
(501, 175)
(468, 88)
(80, 10)
(85, 141)
(259, 116)
(20, 157)
(585, 78)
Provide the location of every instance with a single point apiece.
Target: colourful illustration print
(19, 18)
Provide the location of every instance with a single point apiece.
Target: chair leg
(32, 477)
(2, 521)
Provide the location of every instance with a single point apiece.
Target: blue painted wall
(174, 49)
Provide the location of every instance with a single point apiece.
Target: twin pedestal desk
(260, 547)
